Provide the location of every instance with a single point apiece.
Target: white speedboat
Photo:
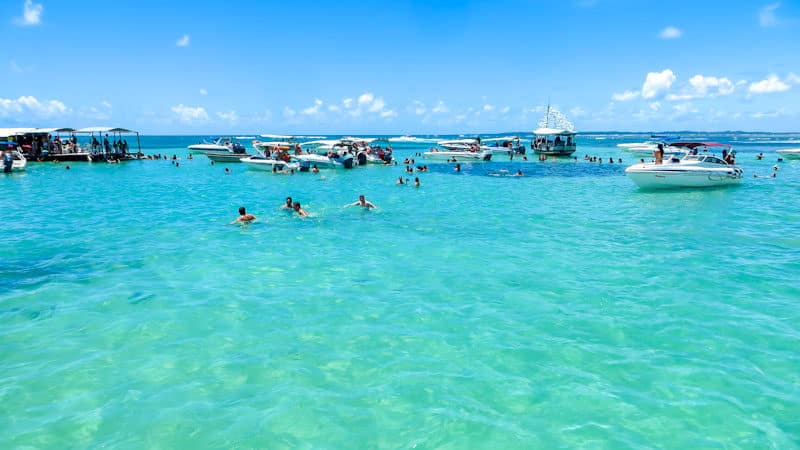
(692, 171)
(789, 153)
(507, 144)
(647, 147)
(324, 154)
(411, 139)
(18, 163)
(265, 164)
(223, 144)
(473, 154)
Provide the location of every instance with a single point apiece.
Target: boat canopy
(54, 130)
(694, 145)
(552, 132)
(104, 130)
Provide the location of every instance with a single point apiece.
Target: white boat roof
(276, 136)
(28, 130)
(272, 143)
(551, 131)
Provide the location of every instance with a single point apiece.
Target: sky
(407, 66)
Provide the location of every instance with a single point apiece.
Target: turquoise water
(563, 309)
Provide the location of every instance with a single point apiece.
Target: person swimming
(363, 202)
(314, 169)
(288, 204)
(300, 211)
(400, 180)
(416, 182)
(244, 217)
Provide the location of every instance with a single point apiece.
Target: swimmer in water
(458, 168)
(288, 204)
(400, 180)
(519, 174)
(416, 183)
(363, 202)
(300, 211)
(314, 169)
(244, 217)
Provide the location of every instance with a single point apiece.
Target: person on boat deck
(288, 204)
(244, 217)
(299, 209)
(557, 141)
(728, 157)
(659, 154)
(363, 202)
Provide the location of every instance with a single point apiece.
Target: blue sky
(400, 67)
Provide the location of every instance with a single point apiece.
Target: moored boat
(789, 153)
(694, 170)
(555, 135)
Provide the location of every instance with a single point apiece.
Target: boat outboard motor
(362, 159)
(8, 162)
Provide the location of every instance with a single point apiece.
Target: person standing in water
(362, 202)
(244, 217)
(288, 204)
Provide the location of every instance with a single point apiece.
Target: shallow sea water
(562, 309)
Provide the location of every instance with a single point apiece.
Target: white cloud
(31, 14)
(203, 91)
(768, 86)
(670, 33)
(577, 112)
(701, 86)
(30, 104)
(683, 109)
(183, 41)
(655, 106)
(623, 96)
(347, 102)
(418, 108)
(388, 114)
(766, 15)
(793, 78)
(657, 82)
(377, 105)
(487, 107)
(288, 112)
(505, 110)
(189, 113)
(440, 108)
(99, 113)
(365, 98)
(230, 116)
(313, 109)
(15, 67)
(334, 108)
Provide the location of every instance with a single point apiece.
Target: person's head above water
(361, 198)
(242, 211)
(288, 201)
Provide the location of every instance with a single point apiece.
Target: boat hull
(790, 153)
(458, 156)
(226, 157)
(323, 162)
(555, 151)
(267, 165)
(676, 179)
(206, 148)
